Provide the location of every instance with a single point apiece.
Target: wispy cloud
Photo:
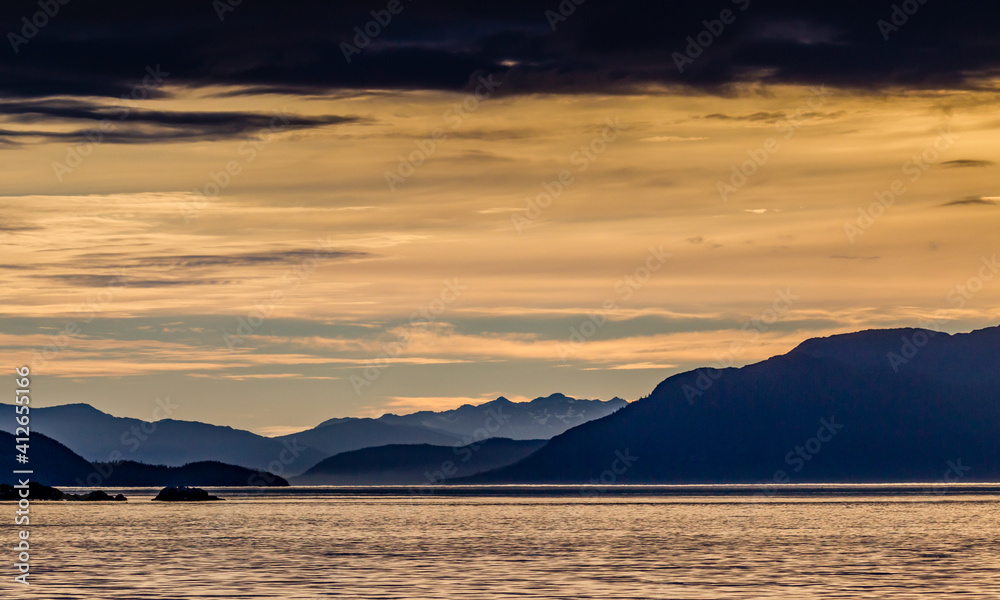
(975, 201)
(408, 404)
(672, 138)
(137, 125)
(965, 163)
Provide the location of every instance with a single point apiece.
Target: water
(868, 542)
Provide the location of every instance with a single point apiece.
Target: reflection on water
(326, 544)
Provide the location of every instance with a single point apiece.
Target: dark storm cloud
(103, 48)
(133, 125)
(249, 259)
(98, 281)
(757, 116)
(182, 265)
(222, 260)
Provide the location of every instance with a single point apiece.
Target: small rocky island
(184, 494)
(37, 491)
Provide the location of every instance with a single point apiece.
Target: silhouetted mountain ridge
(103, 438)
(203, 473)
(52, 462)
(540, 418)
(100, 437)
(835, 409)
(416, 464)
(344, 435)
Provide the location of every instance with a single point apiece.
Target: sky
(273, 218)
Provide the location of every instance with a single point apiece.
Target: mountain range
(889, 405)
(873, 406)
(540, 418)
(102, 438)
(52, 463)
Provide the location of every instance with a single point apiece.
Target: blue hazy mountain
(56, 465)
(542, 418)
(343, 435)
(416, 464)
(879, 405)
(100, 437)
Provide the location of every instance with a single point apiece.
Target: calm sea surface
(671, 542)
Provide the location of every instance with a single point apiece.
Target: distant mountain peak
(948, 356)
(541, 418)
(555, 396)
(81, 407)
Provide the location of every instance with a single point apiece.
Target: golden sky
(309, 287)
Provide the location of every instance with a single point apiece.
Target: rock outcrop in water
(98, 496)
(184, 494)
(37, 491)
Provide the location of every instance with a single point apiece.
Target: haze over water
(320, 543)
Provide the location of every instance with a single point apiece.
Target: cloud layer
(273, 221)
(298, 49)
